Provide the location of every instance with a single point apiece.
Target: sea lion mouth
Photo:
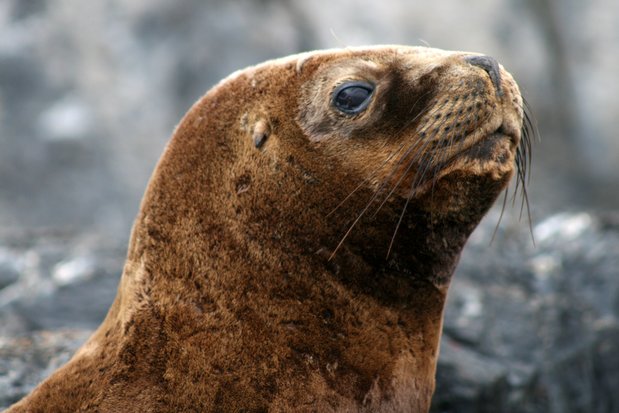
(502, 131)
(492, 147)
(494, 152)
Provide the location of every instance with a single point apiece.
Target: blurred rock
(68, 119)
(66, 280)
(534, 329)
(9, 268)
(25, 361)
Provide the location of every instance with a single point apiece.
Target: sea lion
(295, 244)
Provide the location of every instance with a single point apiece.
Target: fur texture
(231, 297)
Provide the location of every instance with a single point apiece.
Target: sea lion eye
(352, 97)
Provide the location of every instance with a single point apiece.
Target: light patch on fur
(301, 58)
(132, 290)
(404, 392)
(88, 349)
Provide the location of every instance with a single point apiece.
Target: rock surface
(25, 360)
(528, 329)
(535, 329)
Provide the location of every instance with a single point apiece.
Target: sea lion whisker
(421, 113)
(523, 187)
(520, 174)
(349, 230)
(529, 219)
(401, 159)
(529, 118)
(438, 166)
(369, 203)
(426, 142)
(385, 180)
(419, 143)
(530, 132)
(367, 206)
(524, 152)
(525, 204)
(518, 162)
(381, 186)
(523, 165)
(418, 181)
(423, 153)
(368, 179)
(426, 165)
(498, 222)
(412, 162)
(395, 232)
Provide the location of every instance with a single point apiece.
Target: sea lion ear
(261, 133)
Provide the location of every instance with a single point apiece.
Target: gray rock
(9, 268)
(65, 281)
(534, 329)
(26, 361)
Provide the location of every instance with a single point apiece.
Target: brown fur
(228, 299)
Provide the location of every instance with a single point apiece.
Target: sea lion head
(370, 151)
(442, 130)
(407, 118)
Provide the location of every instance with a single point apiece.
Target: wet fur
(256, 277)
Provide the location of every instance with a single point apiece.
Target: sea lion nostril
(491, 66)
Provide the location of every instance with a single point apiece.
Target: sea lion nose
(491, 66)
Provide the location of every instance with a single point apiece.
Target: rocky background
(90, 92)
